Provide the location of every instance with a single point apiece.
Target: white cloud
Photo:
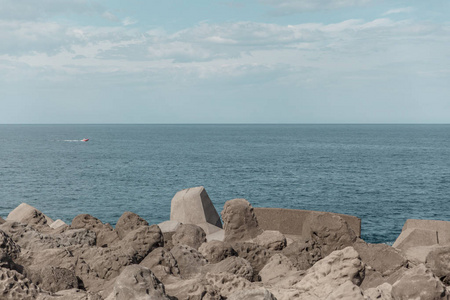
(402, 10)
(294, 6)
(128, 21)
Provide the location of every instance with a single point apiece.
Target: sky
(208, 61)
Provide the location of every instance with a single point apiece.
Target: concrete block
(58, 223)
(25, 213)
(291, 221)
(169, 226)
(414, 237)
(216, 236)
(193, 206)
(441, 227)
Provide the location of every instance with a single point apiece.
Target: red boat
(85, 140)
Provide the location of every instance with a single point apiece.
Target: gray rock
(141, 241)
(129, 221)
(271, 239)
(15, 286)
(329, 232)
(256, 255)
(52, 279)
(8, 245)
(106, 235)
(233, 265)
(137, 282)
(240, 222)
(438, 261)
(193, 206)
(162, 263)
(253, 294)
(190, 235)
(215, 251)
(189, 260)
(419, 283)
(303, 253)
(27, 214)
(2, 221)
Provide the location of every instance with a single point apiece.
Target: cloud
(284, 7)
(110, 17)
(402, 10)
(128, 21)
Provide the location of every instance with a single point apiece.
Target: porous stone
(52, 279)
(137, 282)
(193, 206)
(192, 289)
(252, 294)
(162, 263)
(419, 283)
(58, 223)
(277, 269)
(329, 232)
(15, 286)
(227, 283)
(240, 222)
(346, 291)
(413, 237)
(328, 274)
(106, 235)
(27, 214)
(128, 222)
(215, 251)
(141, 241)
(381, 292)
(233, 265)
(189, 260)
(438, 261)
(8, 245)
(190, 235)
(271, 239)
(72, 294)
(303, 253)
(256, 255)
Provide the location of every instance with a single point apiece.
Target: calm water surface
(384, 174)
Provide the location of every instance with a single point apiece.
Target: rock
(192, 289)
(373, 279)
(438, 261)
(209, 228)
(72, 294)
(381, 257)
(240, 222)
(278, 269)
(141, 241)
(73, 237)
(256, 255)
(105, 233)
(2, 221)
(227, 283)
(329, 232)
(15, 286)
(253, 294)
(346, 291)
(128, 222)
(190, 235)
(8, 245)
(271, 239)
(328, 274)
(413, 237)
(233, 265)
(303, 253)
(53, 279)
(418, 283)
(381, 292)
(27, 214)
(441, 227)
(215, 251)
(137, 282)
(193, 206)
(162, 263)
(189, 260)
(58, 223)
(418, 255)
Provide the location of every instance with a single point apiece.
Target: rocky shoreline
(255, 254)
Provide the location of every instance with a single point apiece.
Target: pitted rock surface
(52, 279)
(239, 221)
(8, 245)
(129, 221)
(106, 235)
(303, 253)
(15, 286)
(256, 255)
(215, 251)
(189, 260)
(162, 263)
(141, 241)
(272, 240)
(190, 235)
(233, 265)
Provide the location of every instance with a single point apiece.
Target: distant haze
(253, 61)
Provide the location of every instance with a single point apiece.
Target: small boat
(85, 140)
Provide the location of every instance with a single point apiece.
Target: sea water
(383, 174)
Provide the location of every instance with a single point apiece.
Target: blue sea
(383, 174)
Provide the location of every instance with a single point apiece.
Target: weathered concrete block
(291, 221)
(193, 206)
(413, 237)
(58, 223)
(441, 227)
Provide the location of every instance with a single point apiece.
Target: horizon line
(350, 123)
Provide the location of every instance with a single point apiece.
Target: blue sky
(255, 61)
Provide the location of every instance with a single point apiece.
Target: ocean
(383, 174)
